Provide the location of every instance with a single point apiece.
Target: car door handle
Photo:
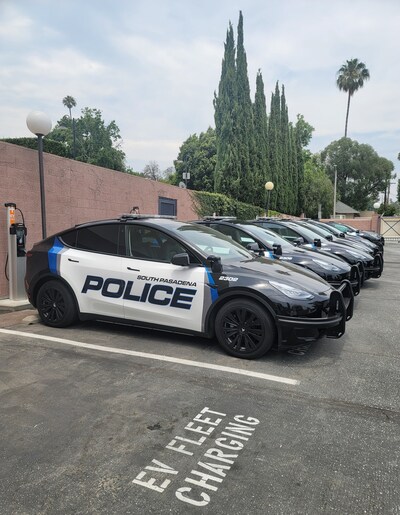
(133, 269)
(73, 260)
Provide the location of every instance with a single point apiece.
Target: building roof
(343, 209)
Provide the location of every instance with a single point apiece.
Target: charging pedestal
(16, 255)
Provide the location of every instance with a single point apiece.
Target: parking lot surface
(100, 418)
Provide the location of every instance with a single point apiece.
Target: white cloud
(154, 66)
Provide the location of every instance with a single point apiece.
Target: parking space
(120, 420)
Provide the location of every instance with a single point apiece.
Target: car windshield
(211, 242)
(268, 236)
(307, 233)
(343, 228)
(318, 229)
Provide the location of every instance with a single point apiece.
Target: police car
(181, 277)
(265, 242)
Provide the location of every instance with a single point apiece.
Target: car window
(211, 242)
(285, 231)
(104, 239)
(151, 244)
(269, 237)
(69, 238)
(235, 233)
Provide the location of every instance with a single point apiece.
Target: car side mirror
(215, 262)
(329, 237)
(277, 249)
(317, 243)
(342, 235)
(181, 259)
(299, 241)
(253, 247)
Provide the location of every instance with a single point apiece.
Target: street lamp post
(40, 124)
(269, 186)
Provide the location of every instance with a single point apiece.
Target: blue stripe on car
(211, 282)
(52, 256)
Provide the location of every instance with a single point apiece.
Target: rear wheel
(244, 329)
(56, 305)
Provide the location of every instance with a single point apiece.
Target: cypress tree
(286, 186)
(261, 167)
(227, 169)
(294, 173)
(245, 126)
(300, 172)
(274, 149)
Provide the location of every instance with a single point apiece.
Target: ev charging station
(16, 232)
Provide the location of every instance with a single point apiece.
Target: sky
(153, 66)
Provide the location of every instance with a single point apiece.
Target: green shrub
(50, 146)
(206, 204)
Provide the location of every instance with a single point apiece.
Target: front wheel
(56, 305)
(244, 329)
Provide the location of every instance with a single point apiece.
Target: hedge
(50, 146)
(208, 204)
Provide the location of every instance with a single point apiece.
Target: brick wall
(370, 223)
(75, 192)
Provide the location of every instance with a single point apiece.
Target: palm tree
(69, 103)
(350, 78)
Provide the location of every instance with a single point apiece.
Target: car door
(91, 264)
(158, 292)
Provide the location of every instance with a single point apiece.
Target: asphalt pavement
(108, 419)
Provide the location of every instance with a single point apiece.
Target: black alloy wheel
(55, 304)
(244, 329)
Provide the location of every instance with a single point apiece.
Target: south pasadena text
(214, 463)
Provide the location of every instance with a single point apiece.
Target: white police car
(181, 277)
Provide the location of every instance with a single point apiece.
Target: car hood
(303, 255)
(264, 270)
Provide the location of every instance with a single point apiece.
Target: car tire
(56, 305)
(244, 329)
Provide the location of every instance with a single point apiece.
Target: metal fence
(390, 228)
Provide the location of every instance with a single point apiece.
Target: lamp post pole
(40, 124)
(269, 186)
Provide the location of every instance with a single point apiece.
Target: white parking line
(157, 357)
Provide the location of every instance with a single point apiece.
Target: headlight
(291, 292)
(326, 265)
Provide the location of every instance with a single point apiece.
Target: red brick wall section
(362, 223)
(75, 192)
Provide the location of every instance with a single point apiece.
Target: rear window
(104, 239)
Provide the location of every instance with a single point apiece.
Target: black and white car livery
(269, 244)
(181, 277)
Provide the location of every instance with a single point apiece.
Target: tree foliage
(350, 78)
(69, 102)
(96, 142)
(197, 156)
(361, 172)
(152, 171)
(253, 148)
(318, 188)
(207, 204)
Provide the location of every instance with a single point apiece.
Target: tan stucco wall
(75, 192)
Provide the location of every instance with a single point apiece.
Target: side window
(148, 243)
(236, 234)
(104, 239)
(69, 238)
(287, 233)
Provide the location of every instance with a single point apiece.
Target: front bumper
(331, 323)
(355, 280)
(374, 268)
